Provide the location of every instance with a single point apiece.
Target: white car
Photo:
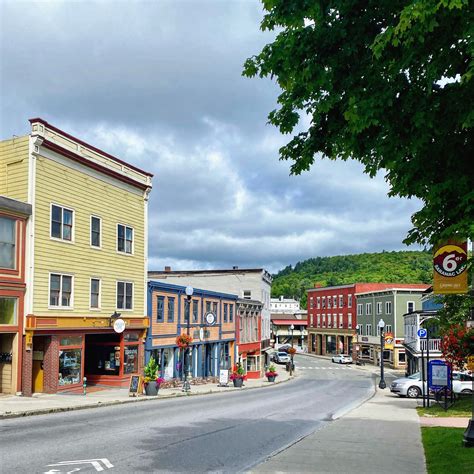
(412, 386)
(281, 358)
(342, 359)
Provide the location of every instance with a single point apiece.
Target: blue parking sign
(422, 333)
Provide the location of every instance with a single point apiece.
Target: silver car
(281, 357)
(342, 359)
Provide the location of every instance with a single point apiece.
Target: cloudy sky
(159, 84)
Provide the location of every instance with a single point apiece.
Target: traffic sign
(422, 333)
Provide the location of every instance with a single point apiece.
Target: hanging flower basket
(291, 350)
(183, 340)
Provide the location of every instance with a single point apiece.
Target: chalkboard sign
(135, 384)
(223, 377)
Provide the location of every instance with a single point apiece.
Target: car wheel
(466, 390)
(413, 392)
(340, 361)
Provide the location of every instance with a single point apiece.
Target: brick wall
(51, 364)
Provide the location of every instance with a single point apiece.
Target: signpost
(439, 374)
(422, 333)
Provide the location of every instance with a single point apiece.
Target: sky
(159, 84)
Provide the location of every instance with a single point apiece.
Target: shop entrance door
(6, 358)
(38, 369)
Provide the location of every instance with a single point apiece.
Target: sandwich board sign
(223, 377)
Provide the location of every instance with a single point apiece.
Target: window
(69, 367)
(329, 302)
(124, 295)
(7, 243)
(379, 307)
(388, 307)
(324, 320)
(341, 301)
(401, 358)
(349, 301)
(214, 309)
(349, 320)
(334, 301)
(231, 313)
(195, 311)
(318, 302)
(334, 321)
(187, 310)
(160, 309)
(226, 311)
(61, 222)
(96, 227)
(170, 309)
(319, 320)
(410, 306)
(324, 302)
(311, 303)
(130, 359)
(340, 320)
(329, 321)
(388, 328)
(95, 293)
(124, 239)
(368, 308)
(8, 310)
(60, 290)
(368, 329)
(247, 294)
(359, 309)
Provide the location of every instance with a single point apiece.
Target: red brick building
(332, 316)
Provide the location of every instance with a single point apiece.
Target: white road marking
(94, 462)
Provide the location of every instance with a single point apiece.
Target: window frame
(15, 310)
(158, 299)
(73, 223)
(379, 307)
(125, 282)
(99, 299)
(170, 299)
(124, 252)
(14, 244)
(408, 306)
(60, 298)
(388, 304)
(367, 307)
(97, 247)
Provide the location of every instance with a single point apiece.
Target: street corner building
(82, 313)
(208, 317)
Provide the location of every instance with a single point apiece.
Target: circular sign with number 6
(450, 260)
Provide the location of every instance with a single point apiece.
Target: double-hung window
(160, 309)
(318, 302)
(368, 308)
(7, 243)
(410, 306)
(61, 222)
(388, 307)
(349, 301)
(95, 293)
(124, 239)
(60, 290)
(195, 310)
(231, 313)
(379, 307)
(359, 309)
(124, 295)
(341, 301)
(170, 309)
(96, 230)
(226, 310)
(368, 329)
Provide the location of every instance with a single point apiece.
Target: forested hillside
(385, 267)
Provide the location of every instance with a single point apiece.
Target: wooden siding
(86, 195)
(14, 168)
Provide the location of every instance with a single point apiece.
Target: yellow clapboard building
(86, 260)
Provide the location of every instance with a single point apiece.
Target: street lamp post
(187, 366)
(381, 326)
(358, 328)
(292, 328)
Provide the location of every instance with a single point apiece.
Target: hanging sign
(119, 325)
(388, 341)
(450, 268)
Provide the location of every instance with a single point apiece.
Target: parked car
(282, 358)
(342, 359)
(412, 386)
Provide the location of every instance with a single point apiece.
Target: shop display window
(130, 363)
(8, 310)
(70, 367)
(130, 337)
(70, 341)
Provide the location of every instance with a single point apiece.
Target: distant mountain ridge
(382, 267)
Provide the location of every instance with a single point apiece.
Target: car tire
(466, 390)
(413, 392)
(340, 361)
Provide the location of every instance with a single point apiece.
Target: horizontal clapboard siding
(14, 168)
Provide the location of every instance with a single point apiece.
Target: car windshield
(415, 376)
(282, 354)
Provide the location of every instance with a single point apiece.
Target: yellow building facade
(86, 259)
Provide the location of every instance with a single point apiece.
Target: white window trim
(133, 240)
(360, 307)
(387, 304)
(100, 233)
(71, 307)
(367, 306)
(73, 229)
(90, 294)
(367, 332)
(349, 301)
(379, 307)
(133, 299)
(349, 320)
(341, 301)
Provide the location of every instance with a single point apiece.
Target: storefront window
(71, 341)
(130, 337)
(130, 363)
(252, 365)
(8, 310)
(69, 367)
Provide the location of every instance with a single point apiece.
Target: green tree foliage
(388, 83)
(385, 267)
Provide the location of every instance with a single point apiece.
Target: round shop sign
(210, 318)
(119, 325)
(450, 261)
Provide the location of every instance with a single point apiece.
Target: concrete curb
(99, 404)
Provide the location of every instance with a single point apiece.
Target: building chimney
(281, 298)
(167, 269)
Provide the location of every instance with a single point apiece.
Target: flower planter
(238, 382)
(271, 378)
(151, 389)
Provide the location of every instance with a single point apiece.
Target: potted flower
(151, 380)
(271, 373)
(238, 375)
(291, 351)
(183, 341)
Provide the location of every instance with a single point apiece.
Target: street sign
(439, 374)
(450, 268)
(422, 333)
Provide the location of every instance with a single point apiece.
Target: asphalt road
(226, 432)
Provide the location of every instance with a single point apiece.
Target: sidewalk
(15, 406)
(381, 435)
